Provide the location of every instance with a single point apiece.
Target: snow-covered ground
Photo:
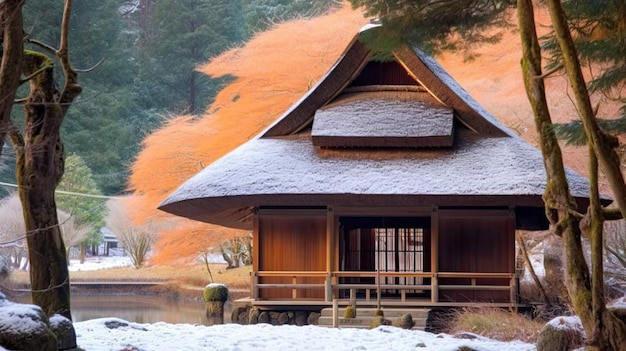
(94, 335)
(99, 262)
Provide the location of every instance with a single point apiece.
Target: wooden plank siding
(291, 241)
(479, 242)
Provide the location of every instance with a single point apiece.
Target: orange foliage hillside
(272, 71)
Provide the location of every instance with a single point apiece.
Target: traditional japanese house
(385, 181)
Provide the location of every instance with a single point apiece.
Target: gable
(410, 67)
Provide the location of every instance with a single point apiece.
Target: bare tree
(73, 232)
(12, 231)
(137, 240)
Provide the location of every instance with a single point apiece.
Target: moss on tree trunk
(40, 166)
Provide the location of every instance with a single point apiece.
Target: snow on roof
(293, 166)
(384, 115)
(458, 90)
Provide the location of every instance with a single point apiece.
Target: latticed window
(386, 244)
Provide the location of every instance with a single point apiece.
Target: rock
(274, 317)
(25, 327)
(313, 318)
(264, 317)
(283, 318)
(561, 334)
(240, 315)
(114, 324)
(405, 321)
(254, 316)
(64, 331)
(301, 318)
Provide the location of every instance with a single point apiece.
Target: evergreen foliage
(599, 32)
(145, 73)
(182, 35)
(78, 178)
(260, 15)
(434, 26)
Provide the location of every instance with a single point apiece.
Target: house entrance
(386, 244)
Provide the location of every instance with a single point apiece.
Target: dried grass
(190, 276)
(496, 324)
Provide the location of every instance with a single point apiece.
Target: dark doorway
(386, 244)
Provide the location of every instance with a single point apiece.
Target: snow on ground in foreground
(93, 335)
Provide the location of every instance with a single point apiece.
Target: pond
(138, 309)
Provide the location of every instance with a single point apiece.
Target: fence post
(254, 287)
(335, 313)
(328, 294)
(434, 289)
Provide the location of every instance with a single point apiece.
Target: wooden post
(434, 289)
(514, 289)
(378, 289)
(294, 291)
(328, 288)
(253, 286)
(434, 254)
(330, 251)
(335, 313)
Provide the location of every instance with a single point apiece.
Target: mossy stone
(405, 321)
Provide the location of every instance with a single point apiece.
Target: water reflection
(139, 309)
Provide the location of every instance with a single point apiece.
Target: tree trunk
(560, 206)
(11, 65)
(602, 144)
(522, 244)
(39, 167)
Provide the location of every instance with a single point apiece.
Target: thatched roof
(482, 164)
(291, 171)
(383, 118)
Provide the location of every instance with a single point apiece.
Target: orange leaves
(271, 72)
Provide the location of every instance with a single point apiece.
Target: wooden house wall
(291, 242)
(476, 241)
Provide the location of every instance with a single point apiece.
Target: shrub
(496, 324)
(350, 312)
(215, 292)
(377, 321)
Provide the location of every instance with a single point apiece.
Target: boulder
(24, 327)
(561, 334)
(313, 318)
(405, 321)
(64, 332)
(301, 318)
